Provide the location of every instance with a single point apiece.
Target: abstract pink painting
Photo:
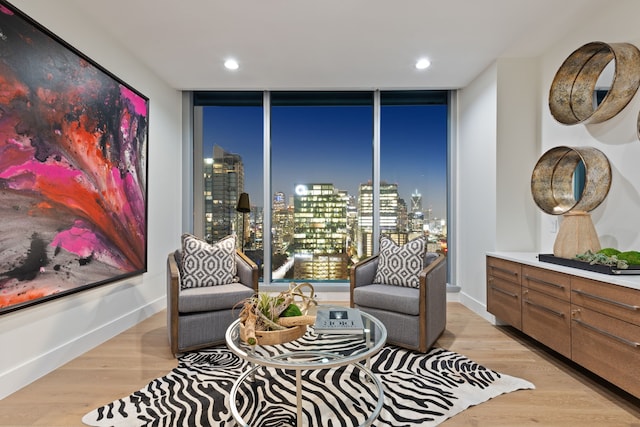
(73, 169)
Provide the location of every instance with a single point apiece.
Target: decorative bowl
(275, 337)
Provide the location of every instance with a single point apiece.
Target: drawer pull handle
(608, 334)
(504, 270)
(502, 291)
(607, 300)
(542, 307)
(544, 282)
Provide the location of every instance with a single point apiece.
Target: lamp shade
(243, 203)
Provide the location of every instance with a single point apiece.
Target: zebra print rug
(419, 390)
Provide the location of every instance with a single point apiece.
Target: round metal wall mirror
(570, 179)
(577, 95)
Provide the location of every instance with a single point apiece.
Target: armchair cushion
(221, 297)
(205, 264)
(400, 265)
(388, 297)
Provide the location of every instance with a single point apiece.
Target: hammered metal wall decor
(571, 98)
(552, 180)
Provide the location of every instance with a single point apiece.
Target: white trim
(476, 306)
(21, 375)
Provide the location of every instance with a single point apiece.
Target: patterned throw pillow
(400, 265)
(206, 264)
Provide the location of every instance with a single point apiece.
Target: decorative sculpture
(572, 95)
(556, 191)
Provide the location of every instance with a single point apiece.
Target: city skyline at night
(334, 145)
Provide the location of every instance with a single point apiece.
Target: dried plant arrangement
(273, 319)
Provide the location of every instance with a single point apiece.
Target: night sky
(334, 145)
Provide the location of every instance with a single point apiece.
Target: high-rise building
(417, 215)
(416, 201)
(403, 217)
(282, 224)
(256, 236)
(223, 183)
(320, 232)
(388, 207)
(389, 215)
(208, 199)
(352, 224)
(279, 201)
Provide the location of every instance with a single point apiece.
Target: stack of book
(338, 321)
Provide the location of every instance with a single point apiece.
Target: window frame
(193, 138)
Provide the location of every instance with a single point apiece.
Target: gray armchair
(414, 317)
(199, 317)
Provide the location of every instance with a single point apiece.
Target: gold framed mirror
(553, 181)
(572, 181)
(574, 96)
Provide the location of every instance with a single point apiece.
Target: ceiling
(332, 44)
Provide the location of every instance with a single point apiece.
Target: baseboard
(31, 370)
(476, 306)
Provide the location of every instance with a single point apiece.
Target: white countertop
(531, 258)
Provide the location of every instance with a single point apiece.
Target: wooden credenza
(590, 318)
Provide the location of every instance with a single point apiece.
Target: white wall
(476, 184)
(41, 338)
(517, 148)
(497, 145)
(519, 127)
(616, 220)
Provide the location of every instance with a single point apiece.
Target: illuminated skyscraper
(416, 202)
(279, 201)
(208, 199)
(320, 232)
(417, 215)
(403, 216)
(282, 228)
(223, 183)
(388, 214)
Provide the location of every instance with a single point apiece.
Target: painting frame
(73, 168)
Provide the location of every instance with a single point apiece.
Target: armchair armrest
(173, 289)
(437, 267)
(362, 274)
(433, 301)
(247, 271)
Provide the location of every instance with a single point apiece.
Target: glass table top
(313, 350)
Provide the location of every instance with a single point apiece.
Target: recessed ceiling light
(423, 63)
(231, 64)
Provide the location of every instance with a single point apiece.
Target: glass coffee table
(311, 352)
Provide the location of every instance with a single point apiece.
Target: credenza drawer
(548, 282)
(504, 269)
(503, 300)
(616, 301)
(607, 346)
(548, 320)
(595, 323)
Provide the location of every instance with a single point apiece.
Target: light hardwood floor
(565, 395)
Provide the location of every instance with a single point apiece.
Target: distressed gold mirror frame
(571, 98)
(552, 180)
(553, 186)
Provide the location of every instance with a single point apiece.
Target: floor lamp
(243, 207)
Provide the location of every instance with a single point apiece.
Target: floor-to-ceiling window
(320, 155)
(413, 167)
(331, 184)
(232, 164)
